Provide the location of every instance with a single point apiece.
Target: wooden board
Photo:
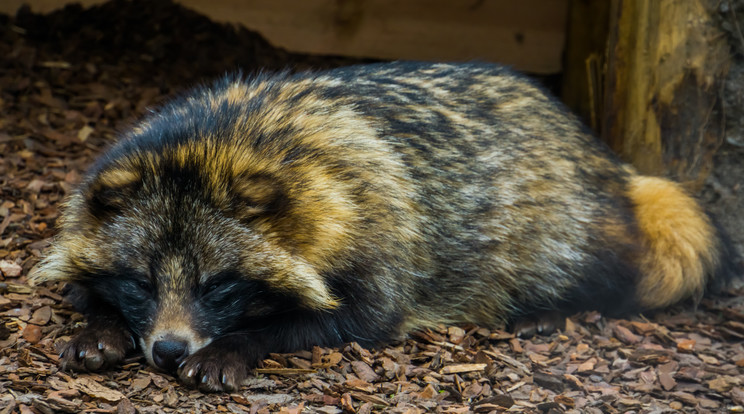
(527, 34)
(41, 6)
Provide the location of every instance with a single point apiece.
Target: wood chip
(625, 335)
(363, 371)
(461, 368)
(96, 390)
(140, 383)
(686, 345)
(685, 397)
(9, 269)
(667, 381)
(125, 407)
(501, 401)
(284, 371)
(548, 381)
(32, 333)
(41, 316)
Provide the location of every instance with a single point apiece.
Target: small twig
(284, 371)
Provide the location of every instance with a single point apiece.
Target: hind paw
(538, 324)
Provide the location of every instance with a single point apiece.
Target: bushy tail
(683, 252)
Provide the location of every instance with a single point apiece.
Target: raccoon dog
(283, 211)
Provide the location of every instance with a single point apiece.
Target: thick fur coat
(283, 211)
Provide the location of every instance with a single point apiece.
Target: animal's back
(524, 209)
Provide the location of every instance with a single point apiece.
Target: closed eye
(210, 288)
(219, 285)
(143, 284)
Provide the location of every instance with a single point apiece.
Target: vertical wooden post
(582, 88)
(667, 60)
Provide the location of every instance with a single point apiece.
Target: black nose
(168, 354)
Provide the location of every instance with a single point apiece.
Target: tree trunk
(667, 61)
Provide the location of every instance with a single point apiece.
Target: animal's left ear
(314, 292)
(46, 271)
(54, 267)
(299, 279)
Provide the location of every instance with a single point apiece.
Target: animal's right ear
(110, 190)
(259, 194)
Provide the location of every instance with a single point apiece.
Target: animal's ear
(110, 190)
(311, 288)
(50, 268)
(297, 277)
(258, 194)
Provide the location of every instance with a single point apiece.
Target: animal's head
(188, 245)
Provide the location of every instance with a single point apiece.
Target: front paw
(95, 349)
(213, 370)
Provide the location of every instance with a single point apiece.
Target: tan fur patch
(118, 177)
(679, 239)
(67, 248)
(257, 191)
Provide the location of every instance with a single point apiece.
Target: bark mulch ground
(69, 80)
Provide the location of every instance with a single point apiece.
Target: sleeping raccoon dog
(279, 212)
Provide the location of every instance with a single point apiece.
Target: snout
(169, 352)
(172, 337)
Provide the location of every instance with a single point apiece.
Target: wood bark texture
(665, 69)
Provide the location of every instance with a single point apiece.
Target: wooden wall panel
(527, 34)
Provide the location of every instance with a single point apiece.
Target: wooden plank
(527, 34)
(666, 66)
(42, 6)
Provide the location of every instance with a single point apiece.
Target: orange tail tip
(681, 247)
